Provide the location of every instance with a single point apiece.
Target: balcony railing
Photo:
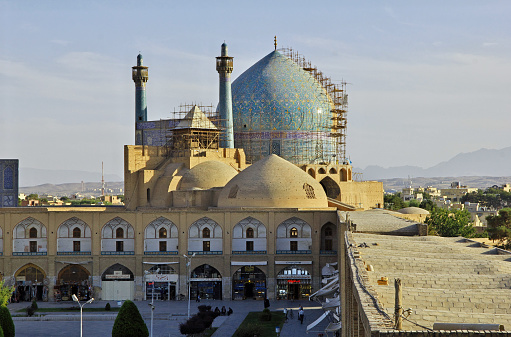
(248, 252)
(328, 252)
(118, 253)
(29, 253)
(200, 252)
(294, 251)
(73, 253)
(173, 252)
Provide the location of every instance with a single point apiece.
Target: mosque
(258, 182)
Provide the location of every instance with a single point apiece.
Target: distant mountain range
(483, 162)
(34, 177)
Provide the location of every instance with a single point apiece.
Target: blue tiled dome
(279, 108)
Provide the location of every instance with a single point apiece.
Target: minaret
(224, 68)
(140, 75)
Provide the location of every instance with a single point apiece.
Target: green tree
(428, 205)
(129, 322)
(499, 227)
(33, 196)
(5, 293)
(6, 323)
(393, 201)
(450, 223)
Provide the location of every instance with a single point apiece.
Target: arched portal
(293, 283)
(73, 279)
(118, 283)
(206, 281)
(30, 283)
(331, 188)
(249, 282)
(160, 282)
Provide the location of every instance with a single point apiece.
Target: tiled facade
(9, 182)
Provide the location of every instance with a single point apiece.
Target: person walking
(301, 313)
(266, 303)
(285, 314)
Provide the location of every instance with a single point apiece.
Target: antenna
(102, 180)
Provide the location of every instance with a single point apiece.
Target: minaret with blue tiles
(224, 68)
(140, 75)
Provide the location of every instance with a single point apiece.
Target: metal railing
(118, 253)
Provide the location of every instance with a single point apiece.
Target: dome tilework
(279, 108)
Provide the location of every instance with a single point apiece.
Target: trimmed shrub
(249, 330)
(30, 311)
(108, 307)
(129, 322)
(2, 332)
(199, 322)
(266, 315)
(6, 322)
(34, 305)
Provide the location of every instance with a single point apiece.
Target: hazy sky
(428, 79)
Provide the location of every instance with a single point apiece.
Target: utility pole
(398, 314)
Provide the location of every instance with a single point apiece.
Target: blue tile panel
(154, 133)
(280, 108)
(9, 173)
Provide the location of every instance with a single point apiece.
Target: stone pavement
(167, 317)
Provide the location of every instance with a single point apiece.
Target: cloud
(490, 44)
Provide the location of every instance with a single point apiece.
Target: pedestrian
(224, 311)
(217, 311)
(300, 315)
(229, 312)
(266, 303)
(285, 313)
(198, 298)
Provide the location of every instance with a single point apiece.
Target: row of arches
(161, 235)
(206, 281)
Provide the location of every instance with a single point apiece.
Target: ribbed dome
(207, 175)
(276, 104)
(273, 182)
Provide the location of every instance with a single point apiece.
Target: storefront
(206, 281)
(293, 283)
(73, 279)
(249, 282)
(118, 283)
(160, 283)
(31, 283)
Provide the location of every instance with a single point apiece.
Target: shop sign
(161, 278)
(293, 262)
(118, 276)
(293, 281)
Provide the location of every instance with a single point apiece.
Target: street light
(81, 311)
(147, 272)
(188, 265)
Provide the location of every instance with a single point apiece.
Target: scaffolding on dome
(194, 127)
(338, 98)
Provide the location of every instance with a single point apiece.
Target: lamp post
(147, 272)
(188, 265)
(81, 311)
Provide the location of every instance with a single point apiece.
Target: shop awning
(332, 304)
(316, 322)
(333, 327)
(328, 289)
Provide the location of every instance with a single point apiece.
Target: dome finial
(275, 42)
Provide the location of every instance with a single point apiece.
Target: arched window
(77, 232)
(205, 233)
(32, 233)
(119, 233)
(293, 232)
(328, 231)
(162, 233)
(250, 233)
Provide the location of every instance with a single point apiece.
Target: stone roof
(196, 119)
(413, 210)
(449, 280)
(381, 221)
(273, 182)
(207, 175)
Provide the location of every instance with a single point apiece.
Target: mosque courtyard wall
(97, 232)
